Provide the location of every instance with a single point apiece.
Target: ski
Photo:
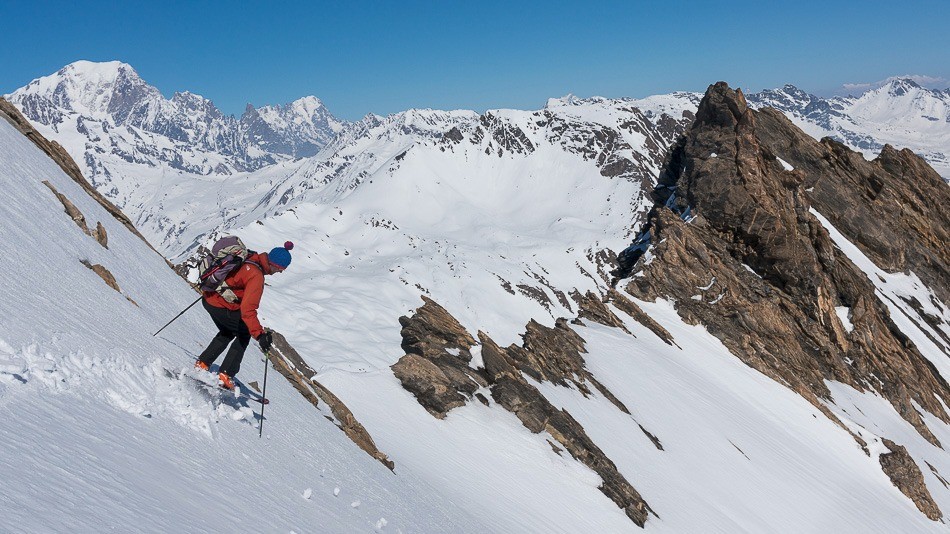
(239, 392)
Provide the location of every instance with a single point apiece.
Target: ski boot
(225, 381)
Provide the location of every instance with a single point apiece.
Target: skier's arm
(249, 304)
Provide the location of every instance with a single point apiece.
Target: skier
(239, 319)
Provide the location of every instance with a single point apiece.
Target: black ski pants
(230, 325)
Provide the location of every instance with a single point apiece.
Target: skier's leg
(226, 333)
(232, 361)
(217, 346)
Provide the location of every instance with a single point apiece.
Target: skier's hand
(265, 340)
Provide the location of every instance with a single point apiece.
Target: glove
(265, 340)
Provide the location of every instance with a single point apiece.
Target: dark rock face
(436, 370)
(777, 314)
(630, 308)
(508, 137)
(892, 208)
(436, 366)
(592, 308)
(555, 355)
(906, 476)
(735, 246)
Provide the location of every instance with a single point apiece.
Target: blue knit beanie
(281, 255)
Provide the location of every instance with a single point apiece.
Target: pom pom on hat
(289, 245)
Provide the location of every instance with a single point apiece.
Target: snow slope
(96, 435)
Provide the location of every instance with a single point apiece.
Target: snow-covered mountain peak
(90, 88)
(300, 128)
(307, 105)
(900, 86)
(567, 100)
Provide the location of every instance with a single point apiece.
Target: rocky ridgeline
(288, 362)
(603, 143)
(734, 244)
(437, 369)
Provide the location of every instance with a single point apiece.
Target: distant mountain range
(187, 133)
(155, 157)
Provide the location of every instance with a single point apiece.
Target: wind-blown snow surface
(96, 436)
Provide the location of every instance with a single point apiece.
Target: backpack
(227, 255)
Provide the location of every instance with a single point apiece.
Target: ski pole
(260, 434)
(177, 316)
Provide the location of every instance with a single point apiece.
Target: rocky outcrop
(906, 476)
(630, 308)
(70, 208)
(292, 366)
(892, 208)
(762, 274)
(436, 366)
(99, 234)
(103, 273)
(514, 393)
(555, 355)
(437, 370)
(733, 242)
(592, 308)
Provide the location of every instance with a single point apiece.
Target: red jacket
(248, 284)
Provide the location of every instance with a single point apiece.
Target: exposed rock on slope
(99, 234)
(906, 476)
(436, 369)
(740, 253)
(436, 365)
(512, 391)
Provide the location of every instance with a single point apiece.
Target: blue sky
(382, 57)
